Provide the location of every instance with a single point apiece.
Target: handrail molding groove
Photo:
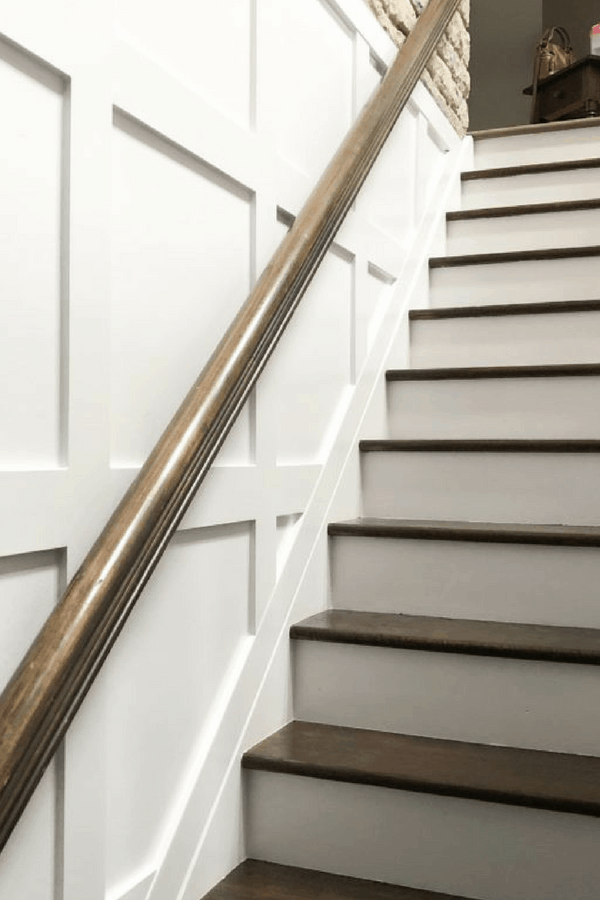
(52, 680)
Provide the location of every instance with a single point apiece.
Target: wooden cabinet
(572, 93)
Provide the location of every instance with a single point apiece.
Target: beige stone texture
(447, 74)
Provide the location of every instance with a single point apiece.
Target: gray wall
(576, 16)
(503, 40)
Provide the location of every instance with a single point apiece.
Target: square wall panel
(164, 678)
(305, 380)
(206, 45)
(307, 80)
(371, 304)
(180, 272)
(29, 589)
(33, 190)
(387, 197)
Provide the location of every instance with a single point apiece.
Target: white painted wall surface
(148, 169)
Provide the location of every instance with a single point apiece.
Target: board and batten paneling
(149, 167)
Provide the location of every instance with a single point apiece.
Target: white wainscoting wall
(150, 162)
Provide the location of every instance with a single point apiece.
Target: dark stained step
(516, 130)
(488, 259)
(498, 212)
(533, 778)
(487, 445)
(510, 640)
(478, 532)
(531, 169)
(255, 880)
(465, 372)
(505, 309)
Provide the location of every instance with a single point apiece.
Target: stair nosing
(543, 307)
(481, 445)
(531, 169)
(460, 373)
(516, 777)
(498, 212)
(470, 532)
(484, 134)
(508, 640)
(497, 258)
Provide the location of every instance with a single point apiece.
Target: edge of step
(477, 532)
(516, 130)
(483, 259)
(441, 373)
(510, 640)
(561, 782)
(480, 445)
(505, 309)
(498, 212)
(531, 169)
(258, 880)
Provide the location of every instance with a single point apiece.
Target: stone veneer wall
(447, 75)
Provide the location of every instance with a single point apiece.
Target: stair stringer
(206, 837)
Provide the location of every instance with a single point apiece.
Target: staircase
(448, 705)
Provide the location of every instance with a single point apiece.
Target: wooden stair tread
(536, 778)
(506, 309)
(531, 169)
(523, 209)
(477, 445)
(512, 640)
(440, 373)
(257, 880)
(508, 256)
(486, 532)
(537, 128)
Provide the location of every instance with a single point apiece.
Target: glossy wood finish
(506, 309)
(510, 640)
(534, 778)
(256, 880)
(565, 370)
(480, 532)
(483, 259)
(475, 445)
(52, 680)
(532, 209)
(531, 169)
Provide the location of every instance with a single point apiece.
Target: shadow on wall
(504, 36)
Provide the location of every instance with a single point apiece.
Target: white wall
(149, 168)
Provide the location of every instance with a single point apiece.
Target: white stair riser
(525, 340)
(549, 146)
(487, 700)
(551, 488)
(541, 187)
(527, 281)
(535, 583)
(476, 849)
(495, 408)
(535, 231)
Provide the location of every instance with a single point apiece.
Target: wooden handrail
(48, 687)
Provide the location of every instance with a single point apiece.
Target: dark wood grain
(479, 532)
(42, 697)
(531, 169)
(487, 445)
(488, 259)
(511, 640)
(454, 373)
(517, 130)
(256, 880)
(532, 209)
(548, 307)
(534, 778)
